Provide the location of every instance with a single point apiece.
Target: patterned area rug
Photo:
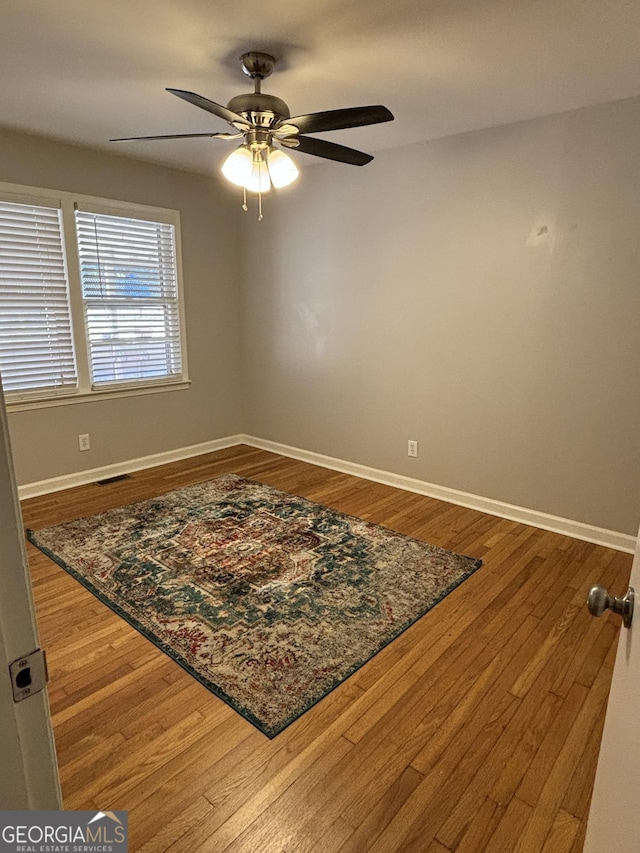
(267, 599)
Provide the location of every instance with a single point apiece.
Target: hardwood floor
(476, 730)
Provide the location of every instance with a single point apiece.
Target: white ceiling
(88, 70)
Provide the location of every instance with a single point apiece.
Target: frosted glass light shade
(238, 166)
(282, 169)
(258, 180)
(257, 170)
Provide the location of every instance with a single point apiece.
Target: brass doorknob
(599, 600)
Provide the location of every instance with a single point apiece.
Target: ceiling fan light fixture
(258, 180)
(238, 166)
(261, 119)
(247, 168)
(282, 169)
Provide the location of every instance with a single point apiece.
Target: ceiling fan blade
(328, 150)
(217, 109)
(182, 136)
(338, 119)
(238, 135)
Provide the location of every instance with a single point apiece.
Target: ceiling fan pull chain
(245, 206)
(260, 217)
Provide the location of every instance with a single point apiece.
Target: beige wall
(480, 294)
(45, 440)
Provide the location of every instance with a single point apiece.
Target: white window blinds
(130, 296)
(36, 344)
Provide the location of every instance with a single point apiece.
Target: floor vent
(115, 479)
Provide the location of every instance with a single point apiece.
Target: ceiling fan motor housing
(260, 109)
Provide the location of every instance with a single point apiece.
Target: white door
(614, 826)
(29, 777)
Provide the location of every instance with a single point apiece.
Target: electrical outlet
(412, 448)
(83, 442)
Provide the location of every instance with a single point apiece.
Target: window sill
(93, 396)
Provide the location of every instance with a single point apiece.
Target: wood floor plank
(482, 827)
(562, 833)
(534, 706)
(238, 806)
(331, 841)
(179, 782)
(168, 831)
(274, 828)
(382, 813)
(537, 774)
(436, 847)
(445, 782)
(529, 714)
(464, 639)
(384, 755)
(578, 796)
(476, 731)
(578, 842)
(546, 650)
(138, 760)
(509, 831)
(528, 738)
(245, 767)
(555, 787)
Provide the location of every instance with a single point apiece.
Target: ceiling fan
(263, 121)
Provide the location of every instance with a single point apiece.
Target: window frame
(68, 203)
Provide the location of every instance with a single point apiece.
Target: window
(90, 298)
(36, 347)
(130, 298)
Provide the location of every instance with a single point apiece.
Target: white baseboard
(556, 524)
(82, 478)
